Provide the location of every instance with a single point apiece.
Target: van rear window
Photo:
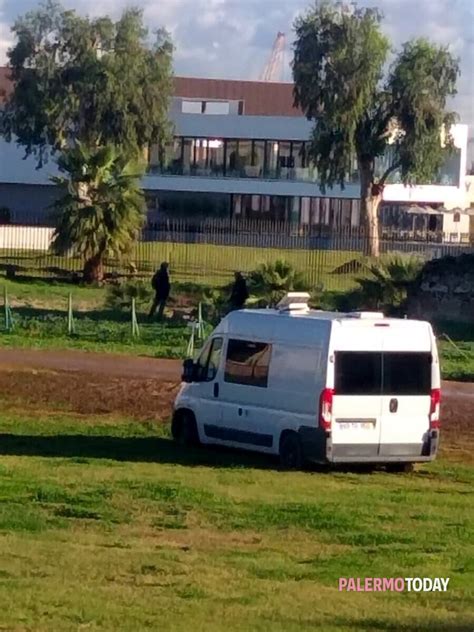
(406, 373)
(358, 373)
(390, 373)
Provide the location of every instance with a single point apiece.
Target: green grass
(105, 525)
(109, 333)
(201, 263)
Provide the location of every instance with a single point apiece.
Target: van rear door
(356, 418)
(406, 385)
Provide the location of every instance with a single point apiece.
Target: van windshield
(376, 373)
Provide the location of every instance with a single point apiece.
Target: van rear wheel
(400, 468)
(184, 429)
(291, 452)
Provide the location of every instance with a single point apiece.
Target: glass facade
(233, 158)
(299, 211)
(269, 159)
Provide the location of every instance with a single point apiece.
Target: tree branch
(388, 171)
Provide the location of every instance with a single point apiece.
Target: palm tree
(269, 282)
(102, 211)
(388, 280)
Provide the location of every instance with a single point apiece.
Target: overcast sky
(233, 38)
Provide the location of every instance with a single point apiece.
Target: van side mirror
(188, 371)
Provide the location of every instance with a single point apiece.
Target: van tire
(184, 429)
(291, 451)
(400, 468)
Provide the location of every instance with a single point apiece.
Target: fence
(210, 250)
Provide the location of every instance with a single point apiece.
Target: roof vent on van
(294, 302)
(366, 315)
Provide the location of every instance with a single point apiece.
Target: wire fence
(209, 251)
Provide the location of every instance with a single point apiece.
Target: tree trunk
(370, 197)
(93, 269)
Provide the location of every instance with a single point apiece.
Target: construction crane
(274, 68)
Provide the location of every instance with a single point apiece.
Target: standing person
(161, 284)
(239, 292)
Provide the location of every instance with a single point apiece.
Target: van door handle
(393, 406)
(216, 389)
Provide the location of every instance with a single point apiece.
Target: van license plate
(358, 424)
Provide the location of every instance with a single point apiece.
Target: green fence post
(190, 349)
(70, 317)
(8, 311)
(135, 328)
(200, 323)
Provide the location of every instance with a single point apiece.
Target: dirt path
(134, 367)
(106, 364)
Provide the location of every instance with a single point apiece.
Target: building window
(247, 363)
(216, 107)
(258, 158)
(201, 155)
(285, 160)
(271, 158)
(188, 155)
(216, 156)
(456, 217)
(173, 158)
(244, 162)
(191, 107)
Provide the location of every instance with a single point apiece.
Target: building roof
(259, 98)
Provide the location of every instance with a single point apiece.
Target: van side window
(247, 363)
(358, 373)
(208, 362)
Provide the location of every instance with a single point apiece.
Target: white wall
(449, 196)
(453, 230)
(25, 237)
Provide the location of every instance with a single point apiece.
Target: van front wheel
(291, 452)
(184, 429)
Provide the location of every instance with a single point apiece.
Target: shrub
(385, 284)
(120, 296)
(269, 282)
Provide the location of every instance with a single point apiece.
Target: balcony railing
(295, 174)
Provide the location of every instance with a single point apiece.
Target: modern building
(240, 150)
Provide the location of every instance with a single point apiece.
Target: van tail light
(435, 420)
(325, 408)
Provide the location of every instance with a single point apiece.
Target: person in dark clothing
(239, 292)
(161, 284)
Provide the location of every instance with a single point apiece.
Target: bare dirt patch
(35, 391)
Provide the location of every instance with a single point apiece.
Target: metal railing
(210, 250)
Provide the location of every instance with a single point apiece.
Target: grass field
(202, 263)
(104, 524)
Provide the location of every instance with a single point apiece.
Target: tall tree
(386, 119)
(101, 211)
(97, 83)
(92, 80)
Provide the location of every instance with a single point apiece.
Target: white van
(315, 386)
